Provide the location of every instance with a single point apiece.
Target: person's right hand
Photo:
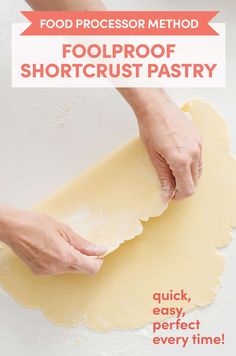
(173, 142)
(47, 246)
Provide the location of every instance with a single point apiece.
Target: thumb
(166, 177)
(85, 247)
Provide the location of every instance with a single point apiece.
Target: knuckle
(63, 257)
(66, 227)
(38, 271)
(75, 262)
(194, 153)
(91, 271)
(96, 267)
(82, 265)
(181, 160)
(189, 192)
(90, 268)
(49, 267)
(51, 271)
(200, 140)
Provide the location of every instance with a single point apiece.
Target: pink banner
(123, 23)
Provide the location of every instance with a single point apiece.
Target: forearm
(142, 100)
(66, 5)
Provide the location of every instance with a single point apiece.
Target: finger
(85, 247)
(184, 181)
(200, 164)
(195, 164)
(166, 178)
(85, 264)
(195, 172)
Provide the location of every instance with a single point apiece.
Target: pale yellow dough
(106, 203)
(176, 250)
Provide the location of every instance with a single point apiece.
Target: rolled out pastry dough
(177, 250)
(105, 204)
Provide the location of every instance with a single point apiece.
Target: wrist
(8, 216)
(144, 100)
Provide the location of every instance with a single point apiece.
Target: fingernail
(97, 267)
(96, 249)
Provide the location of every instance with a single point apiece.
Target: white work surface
(48, 136)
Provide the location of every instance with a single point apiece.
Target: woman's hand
(172, 141)
(47, 246)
